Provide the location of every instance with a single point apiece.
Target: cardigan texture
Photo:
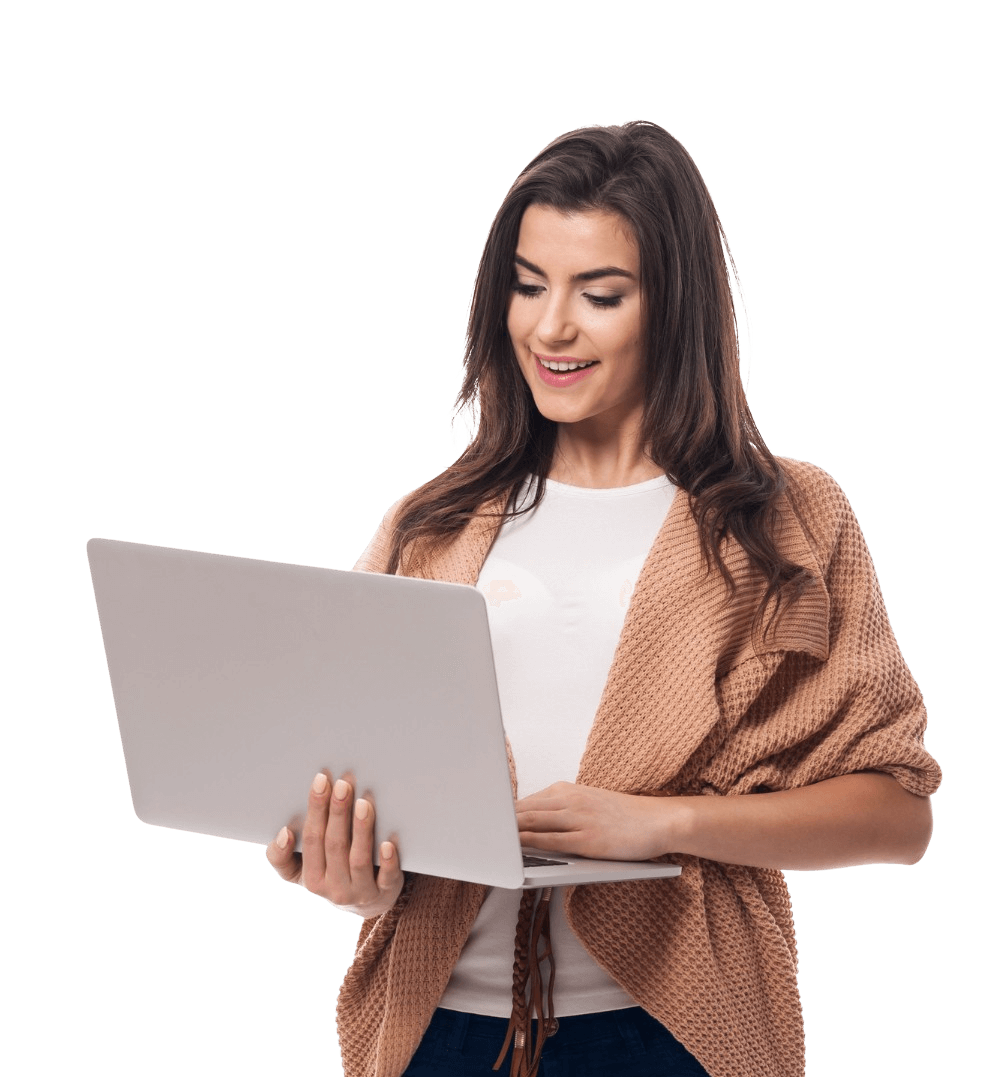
(695, 704)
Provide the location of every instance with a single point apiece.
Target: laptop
(236, 680)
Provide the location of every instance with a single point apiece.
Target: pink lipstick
(556, 379)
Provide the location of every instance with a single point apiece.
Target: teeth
(565, 366)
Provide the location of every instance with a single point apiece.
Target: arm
(864, 818)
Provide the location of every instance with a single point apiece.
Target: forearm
(863, 818)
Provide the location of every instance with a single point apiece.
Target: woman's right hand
(336, 861)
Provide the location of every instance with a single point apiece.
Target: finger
(390, 874)
(557, 793)
(283, 858)
(565, 841)
(545, 800)
(361, 859)
(554, 821)
(338, 837)
(314, 834)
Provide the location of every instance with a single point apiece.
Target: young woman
(694, 663)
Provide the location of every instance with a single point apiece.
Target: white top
(558, 581)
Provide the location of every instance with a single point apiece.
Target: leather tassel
(532, 990)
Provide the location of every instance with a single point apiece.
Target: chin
(562, 415)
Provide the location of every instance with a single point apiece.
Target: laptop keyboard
(540, 861)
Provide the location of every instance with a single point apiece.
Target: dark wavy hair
(696, 421)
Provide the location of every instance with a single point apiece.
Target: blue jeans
(625, 1043)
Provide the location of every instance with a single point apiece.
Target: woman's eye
(605, 300)
(533, 291)
(530, 291)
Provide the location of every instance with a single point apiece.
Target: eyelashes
(603, 302)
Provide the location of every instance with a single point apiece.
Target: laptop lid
(236, 680)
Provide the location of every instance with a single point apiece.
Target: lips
(558, 379)
(571, 360)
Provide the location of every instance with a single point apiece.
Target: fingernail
(361, 809)
(341, 789)
(282, 838)
(319, 783)
(385, 850)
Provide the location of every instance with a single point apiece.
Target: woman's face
(576, 299)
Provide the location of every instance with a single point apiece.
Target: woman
(694, 662)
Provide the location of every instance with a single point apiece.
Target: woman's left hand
(860, 818)
(568, 818)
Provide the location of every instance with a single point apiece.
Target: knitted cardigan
(696, 703)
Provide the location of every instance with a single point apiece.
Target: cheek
(632, 343)
(515, 322)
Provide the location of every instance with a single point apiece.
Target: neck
(600, 463)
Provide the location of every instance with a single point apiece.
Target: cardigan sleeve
(860, 709)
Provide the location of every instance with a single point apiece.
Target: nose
(555, 322)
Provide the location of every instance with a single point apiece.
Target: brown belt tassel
(531, 998)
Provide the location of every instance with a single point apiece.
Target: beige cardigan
(688, 708)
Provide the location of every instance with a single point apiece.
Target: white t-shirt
(558, 582)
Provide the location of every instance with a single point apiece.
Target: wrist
(676, 826)
(370, 911)
(684, 824)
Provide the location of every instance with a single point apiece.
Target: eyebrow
(579, 278)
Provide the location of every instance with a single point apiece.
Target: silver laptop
(236, 680)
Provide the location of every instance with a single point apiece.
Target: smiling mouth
(562, 365)
(562, 373)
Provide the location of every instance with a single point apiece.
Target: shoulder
(392, 513)
(814, 492)
(819, 504)
(812, 485)
(395, 511)
(376, 555)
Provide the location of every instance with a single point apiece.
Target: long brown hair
(696, 420)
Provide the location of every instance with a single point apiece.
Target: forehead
(576, 242)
